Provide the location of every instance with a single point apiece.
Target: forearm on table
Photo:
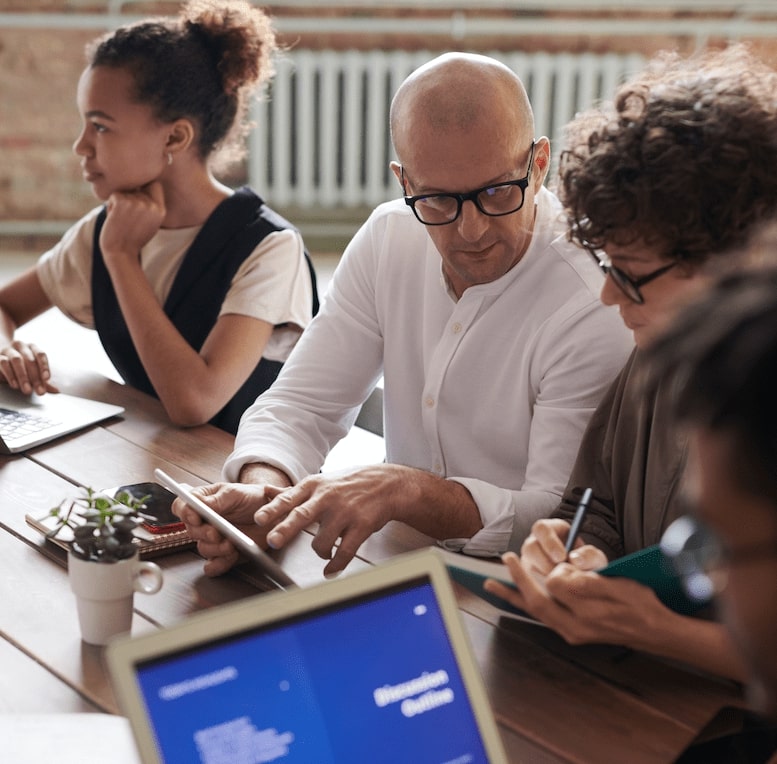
(435, 506)
(190, 392)
(706, 645)
(156, 339)
(259, 473)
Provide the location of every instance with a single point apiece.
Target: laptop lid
(373, 667)
(28, 421)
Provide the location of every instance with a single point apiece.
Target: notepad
(651, 567)
(149, 544)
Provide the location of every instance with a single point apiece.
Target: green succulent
(103, 526)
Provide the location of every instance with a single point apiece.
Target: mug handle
(148, 577)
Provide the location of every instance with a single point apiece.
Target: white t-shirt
(493, 390)
(269, 285)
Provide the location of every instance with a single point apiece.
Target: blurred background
(320, 149)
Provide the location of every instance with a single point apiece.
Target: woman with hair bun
(198, 292)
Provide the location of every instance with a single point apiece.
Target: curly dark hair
(684, 158)
(202, 65)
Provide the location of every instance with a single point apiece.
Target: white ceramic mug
(104, 593)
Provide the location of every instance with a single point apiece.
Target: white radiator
(322, 139)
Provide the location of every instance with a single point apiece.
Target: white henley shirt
(493, 390)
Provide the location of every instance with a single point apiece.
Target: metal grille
(322, 138)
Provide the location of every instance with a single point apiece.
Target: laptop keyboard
(21, 423)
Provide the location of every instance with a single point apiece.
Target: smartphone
(244, 543)
(159, 504)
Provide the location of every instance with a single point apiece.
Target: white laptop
(373, 667)
(28, 421)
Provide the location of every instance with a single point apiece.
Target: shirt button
(429, 402)
(437, 467)
(456, 328)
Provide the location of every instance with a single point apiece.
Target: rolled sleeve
(498, 509)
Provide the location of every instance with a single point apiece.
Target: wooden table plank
(39, 614)
(202, 449)
(566, 709)
(26, 687)
(692, 698)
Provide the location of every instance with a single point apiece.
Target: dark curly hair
(202, 65)
(685, 158)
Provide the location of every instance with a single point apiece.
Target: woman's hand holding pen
(555, 541)
(584, 607)
(555, 582)
(545, 548)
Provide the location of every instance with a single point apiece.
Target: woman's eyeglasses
(629, 286)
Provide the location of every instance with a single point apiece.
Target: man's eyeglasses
(494, 200)
(629, 286)
(701, 561)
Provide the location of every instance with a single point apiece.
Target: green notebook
(651, 567)
(647, 566)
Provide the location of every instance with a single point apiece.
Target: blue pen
(582, 508)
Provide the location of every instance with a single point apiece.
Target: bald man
(482, 318)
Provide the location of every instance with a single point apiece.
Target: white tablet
(244, 543)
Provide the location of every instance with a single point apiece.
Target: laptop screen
(374, 678)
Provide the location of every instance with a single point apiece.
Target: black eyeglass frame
(629, 286)
(472, 196)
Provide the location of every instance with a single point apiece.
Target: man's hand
(26, 368)
(237, 503)
(349, 508)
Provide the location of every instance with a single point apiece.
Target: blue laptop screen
(371, 680)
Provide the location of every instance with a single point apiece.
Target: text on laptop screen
(371, 680)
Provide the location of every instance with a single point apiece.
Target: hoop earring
(169, 158)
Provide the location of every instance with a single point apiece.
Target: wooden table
(553, 702)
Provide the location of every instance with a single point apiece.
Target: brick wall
(39, 68)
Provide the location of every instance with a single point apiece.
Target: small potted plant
(103, 564)
(103, 526)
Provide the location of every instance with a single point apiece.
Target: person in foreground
(722, 356)
(661, 185)
(198, 293)
(483, 319)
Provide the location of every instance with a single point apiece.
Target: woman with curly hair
(658, 186)
(198, 293)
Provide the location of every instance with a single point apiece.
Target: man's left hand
(349, 507)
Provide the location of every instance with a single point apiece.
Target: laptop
(30, 420)
(373, 667)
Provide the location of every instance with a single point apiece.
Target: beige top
(269, 285)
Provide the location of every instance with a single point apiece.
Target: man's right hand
(236, 502)
(25, 367)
